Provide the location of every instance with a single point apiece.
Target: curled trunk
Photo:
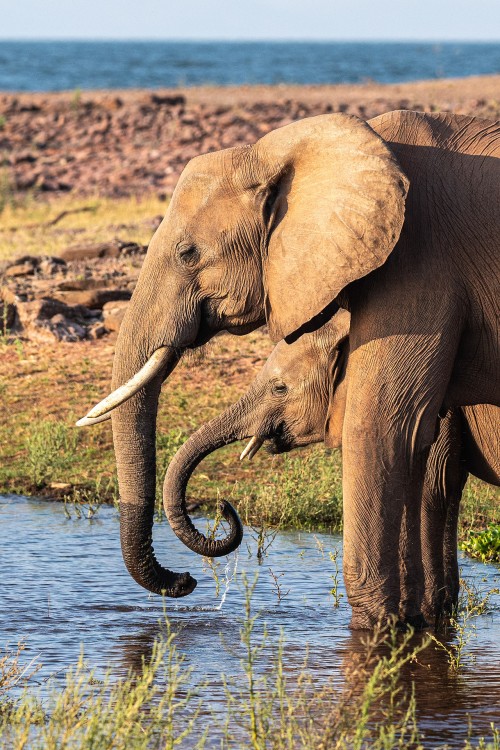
(220, 431)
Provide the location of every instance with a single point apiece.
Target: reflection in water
(64, 584)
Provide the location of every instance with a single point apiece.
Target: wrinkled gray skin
(397, 220)
(297, 399)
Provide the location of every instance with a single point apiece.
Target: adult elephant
(299, 398)
(396, 220)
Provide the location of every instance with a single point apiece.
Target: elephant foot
(438, 610)
(365, 621)
(362, 620)
(417, 622)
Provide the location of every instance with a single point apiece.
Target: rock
(45, 309)
(52, 184)
(80, 285)
(23, 156)
(59, 318)
(96, 331)
(94, 299)
(20, 269)
(50, 264)
(7, 317)
(113, 313)
(169, 99)
(58, 328)
(27, 265)
(104, 249)
(133, 248)
(7, 295)
(28, 178)
(87, 252)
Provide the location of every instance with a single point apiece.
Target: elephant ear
(335, 209)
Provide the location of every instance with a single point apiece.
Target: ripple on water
(64, 584)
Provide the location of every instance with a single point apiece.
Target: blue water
(65, 588)
(55, 66)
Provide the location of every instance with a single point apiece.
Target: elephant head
(273, 231)
(297, 399)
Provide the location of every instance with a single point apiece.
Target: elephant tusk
(150, 370)
(253, 446)
(86, 421)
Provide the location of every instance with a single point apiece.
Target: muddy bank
(130, 142)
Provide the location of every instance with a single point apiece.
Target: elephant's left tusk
(253, 446)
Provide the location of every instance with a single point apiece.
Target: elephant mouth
(280, 441)
(279, 444)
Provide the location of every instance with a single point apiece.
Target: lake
(64, 588)
(60, 65)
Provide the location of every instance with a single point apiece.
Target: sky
(251, 19)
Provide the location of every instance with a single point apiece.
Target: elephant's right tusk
(150, 370)
(87, 421)
(253, 446)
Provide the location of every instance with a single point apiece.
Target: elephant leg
(411, 574)
(444, 481)
(396, 385)
(451, 570)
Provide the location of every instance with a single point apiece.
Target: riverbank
(56, 359)
(85, 181)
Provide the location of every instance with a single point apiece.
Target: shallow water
(64, 584)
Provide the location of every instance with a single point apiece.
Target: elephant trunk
(224, 429)
(134, 438)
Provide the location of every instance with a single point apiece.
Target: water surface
(58, 65)
(64, 584)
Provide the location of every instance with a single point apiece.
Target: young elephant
(299, 398)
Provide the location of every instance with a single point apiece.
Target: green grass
(43, 453)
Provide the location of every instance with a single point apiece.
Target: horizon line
(243, 40)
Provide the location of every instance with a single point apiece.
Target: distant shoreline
(489, 86)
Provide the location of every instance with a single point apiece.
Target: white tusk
(129, 389)
(253, 446)
(86, 421)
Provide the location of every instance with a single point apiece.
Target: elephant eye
(279, 389)
(188, 254)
